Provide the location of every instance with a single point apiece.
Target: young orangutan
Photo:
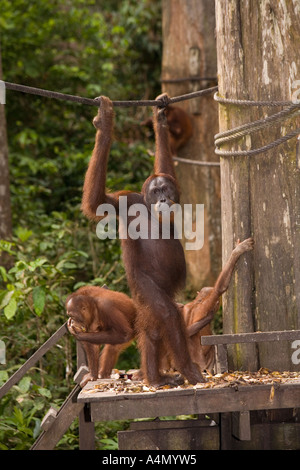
(180, 127)
(99, 316)
(199, 313)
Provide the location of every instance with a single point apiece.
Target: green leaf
(33, 265)
(6, 246)
(37, 428)
(3, 273)
(65, 264)
(24, 384)
(23, 233)
(109, 444)
(39, 298)
(10, 309)
(18, 415)
(5, 298)
(45, 392)
(3, 376)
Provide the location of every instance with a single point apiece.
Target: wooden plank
(283, 434)
(113, 406)
(270, 436)
(65, 416)
(221, 358)
(288, 335)
(241, 425)
(173, 435)
(171, 424)
(49, 418)
(86, 427)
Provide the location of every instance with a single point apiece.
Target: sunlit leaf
(39, 299)
(24, 384)
(10, 309)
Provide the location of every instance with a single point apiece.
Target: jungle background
(85, 48)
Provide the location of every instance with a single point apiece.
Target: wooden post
(189, 50)
(86, 426)
(258, 59)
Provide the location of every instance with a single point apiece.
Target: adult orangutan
(155, 267)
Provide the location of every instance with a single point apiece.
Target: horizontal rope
(195, 162)
(229, 135)
(222, 100)
(188, 79)
(96, 101)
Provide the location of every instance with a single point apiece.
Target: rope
(245, 153)
(194, 94)
(195, 162)
(96, 101)
(188, 79)
(248, 128)
(219, 99)
(251, 127)
(220, 138)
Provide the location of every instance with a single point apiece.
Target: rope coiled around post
(293, 110)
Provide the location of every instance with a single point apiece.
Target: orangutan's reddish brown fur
(180, 127)
(155, 267)
(197, 315)
(100, 316)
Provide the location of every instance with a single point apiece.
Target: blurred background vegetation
(85, 48)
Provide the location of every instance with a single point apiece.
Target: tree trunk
(189, 50)
(258, 59)
(5, 208)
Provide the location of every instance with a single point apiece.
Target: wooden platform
(233, 410)
(112, 405)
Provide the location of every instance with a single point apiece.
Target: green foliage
(84, 48)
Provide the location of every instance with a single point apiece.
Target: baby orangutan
(99, 316)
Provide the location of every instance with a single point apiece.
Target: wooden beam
(86, 427)
(258, 337)
(65, 416)
(108, 406)
(241, 425)
(221, 357)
